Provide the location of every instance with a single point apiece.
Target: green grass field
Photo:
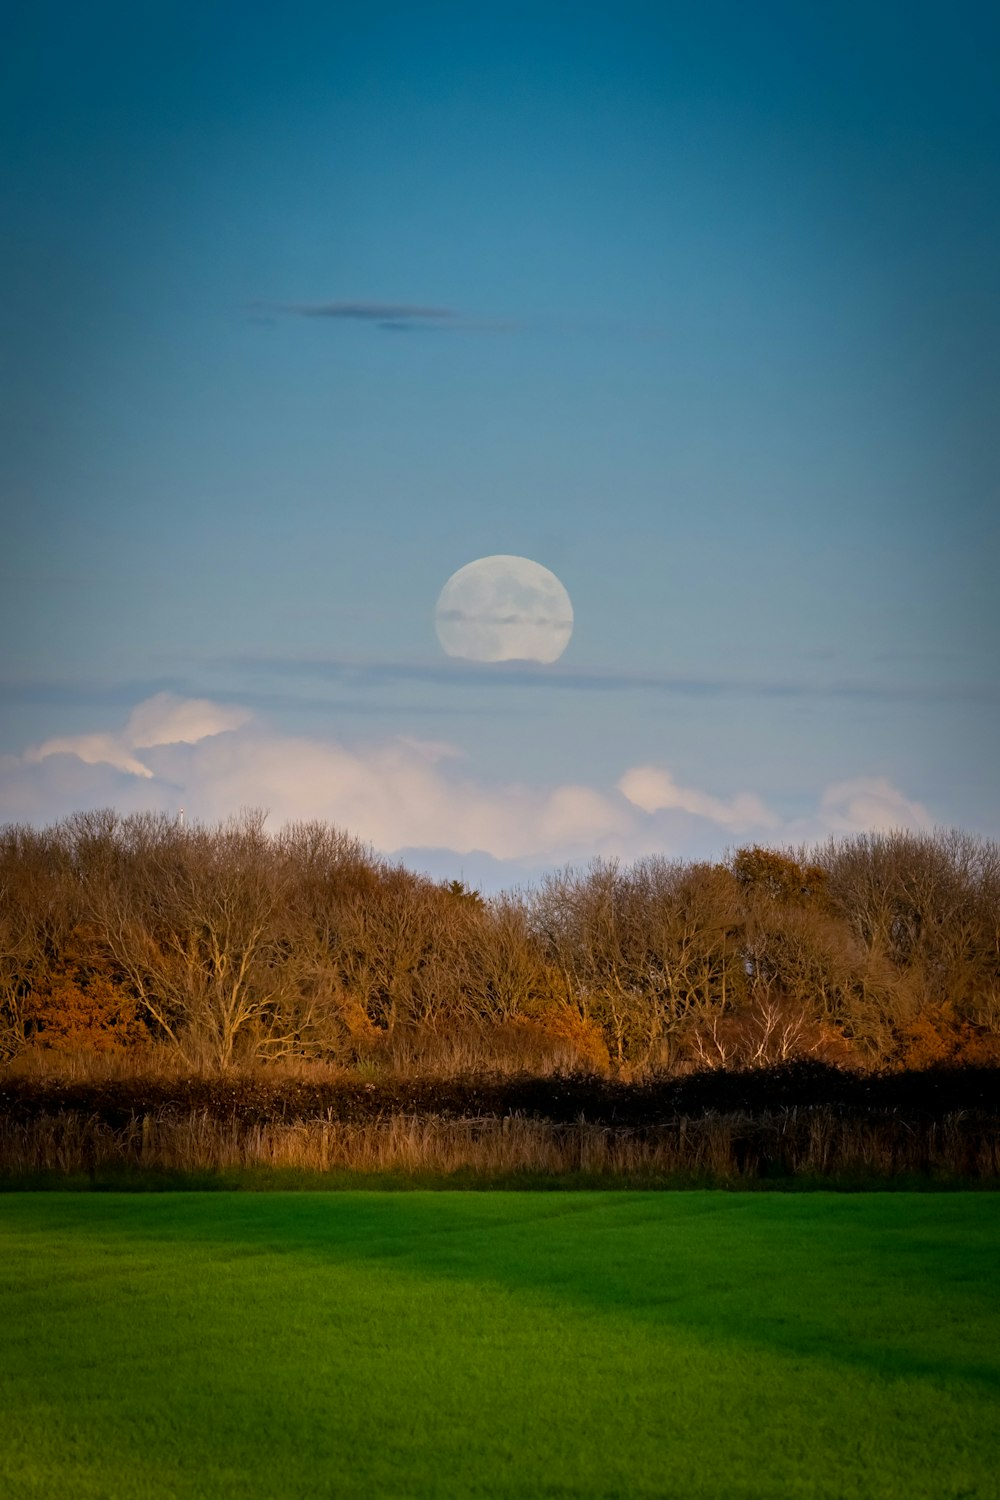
(423, 1344)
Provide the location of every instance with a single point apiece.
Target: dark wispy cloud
(518, 617)
(58, 692)
(373, 312)
(390, 317)
(528, 674)
(88, 695)
(276, 684)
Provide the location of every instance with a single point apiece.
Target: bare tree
(643, 951)
(192, 922)
(38, 911)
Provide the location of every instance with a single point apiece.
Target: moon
(504, 608)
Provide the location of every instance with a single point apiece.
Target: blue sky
(721, 351)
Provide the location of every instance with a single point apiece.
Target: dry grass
(408, 1110)
(815, 1143)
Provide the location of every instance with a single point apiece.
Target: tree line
(223, 945)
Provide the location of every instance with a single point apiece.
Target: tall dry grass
(808, 1142)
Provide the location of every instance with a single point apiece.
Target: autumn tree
(927, 906)
(39, 909)
(642, 951)
(227, 943)
(79, 1003)
(191, 917)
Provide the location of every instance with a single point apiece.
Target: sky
(309, 306)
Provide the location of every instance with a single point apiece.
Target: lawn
(493, 1344)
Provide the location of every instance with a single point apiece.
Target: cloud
(92, 749)
(521, 617)
(161, 720)
(653, 789)
(407, 793)
(522, 674)
(870, 804)
(373, 312)
(394, 794)
(92, 694)
(390, 317)
(166, 720)
(246, 674)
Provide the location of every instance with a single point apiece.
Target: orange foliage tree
(79, 1005)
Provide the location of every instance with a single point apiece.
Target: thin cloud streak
(387, 317)
(406, 317)
(363, 678)
(481, 617)
(370, 312)
(60, 693)
(526, 674)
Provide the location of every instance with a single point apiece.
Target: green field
(577, 1344)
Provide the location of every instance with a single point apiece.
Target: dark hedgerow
(256, 1099)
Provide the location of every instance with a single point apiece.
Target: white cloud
(168, 720)
(407, 793)
(161, 720)
(391, 795)
(870, 804)
(94, 749)
(653, 789)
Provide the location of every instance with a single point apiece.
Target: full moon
(504, 609)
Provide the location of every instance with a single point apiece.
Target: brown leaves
(228, 946)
